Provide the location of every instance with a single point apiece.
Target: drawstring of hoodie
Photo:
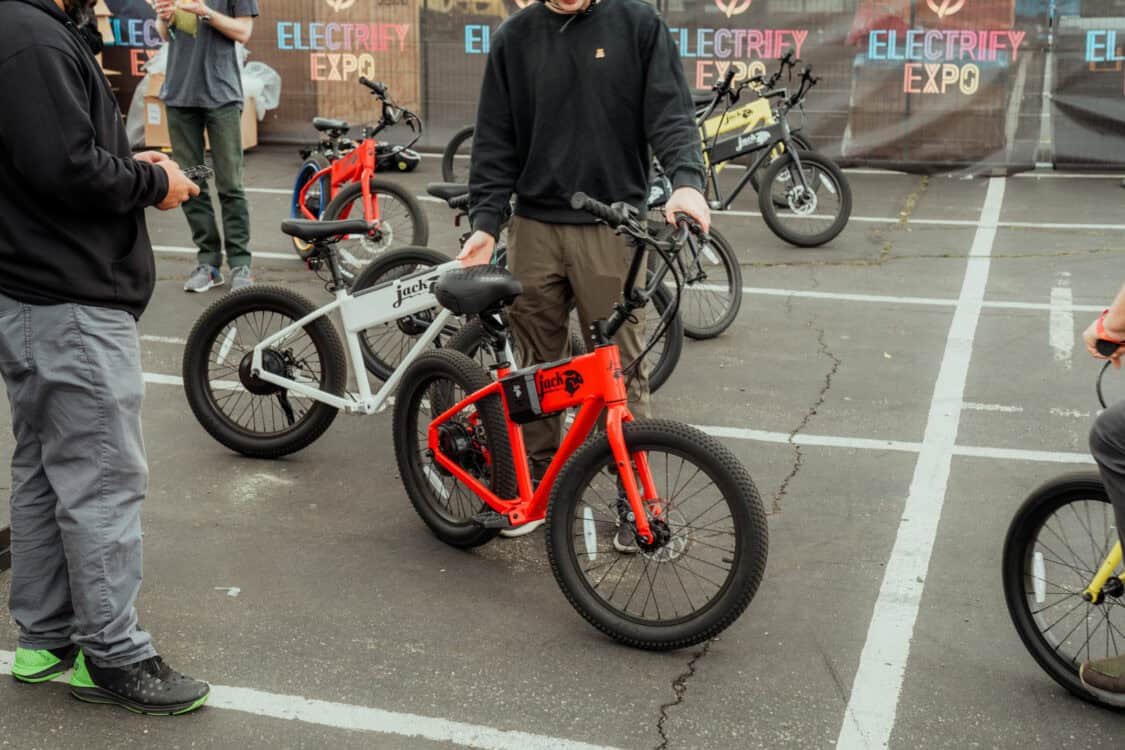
(570, 20)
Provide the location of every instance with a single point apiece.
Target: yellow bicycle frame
(749, 116)
(1093, 592)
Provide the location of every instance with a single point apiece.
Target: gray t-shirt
(203, 69)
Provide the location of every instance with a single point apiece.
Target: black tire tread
(296, 306)
(459, 368)
(1032, 514)
(692, 441)
(702, 333)
(769, 209)
(449, 155)
(353, 190)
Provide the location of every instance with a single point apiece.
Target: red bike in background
(337, 181)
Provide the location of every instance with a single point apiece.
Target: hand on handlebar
(1091, 337)
(478, 249)
(686, 200)
(180, 187)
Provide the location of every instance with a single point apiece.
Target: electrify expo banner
(924, 85)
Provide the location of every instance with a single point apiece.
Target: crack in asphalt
(798, 454)
(679, 687)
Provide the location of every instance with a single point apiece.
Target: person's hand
(689, 201)
(1090, 338)
(194, 6)
(151, 157)
(165, 9)
(180, 188)
(478, 249)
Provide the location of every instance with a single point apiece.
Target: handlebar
(616, 215)
(379, 89)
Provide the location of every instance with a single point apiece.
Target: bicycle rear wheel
(316, 199)
(713, 540)
(814, 212)
(384, 346)
(476, 438)
(455, 157)
(1055, 544)
(402, 222)
(241, 411)
(665, 354)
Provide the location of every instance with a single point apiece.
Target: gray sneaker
(240, 278)
(204, 277)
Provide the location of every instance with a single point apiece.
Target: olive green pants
(223, 126)
(562, 267)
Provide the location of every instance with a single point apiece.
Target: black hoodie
(72, 197)
(573, 103)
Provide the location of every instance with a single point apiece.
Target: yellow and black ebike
(803, 196)
(1063, 579)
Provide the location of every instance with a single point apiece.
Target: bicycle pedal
(490, 519)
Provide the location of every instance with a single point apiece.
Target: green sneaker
(43, 665)
(1105, 678)
(147, 687)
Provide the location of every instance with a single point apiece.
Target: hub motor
(273, 362)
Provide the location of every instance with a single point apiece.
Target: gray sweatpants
(79, 473)
(1107, 444)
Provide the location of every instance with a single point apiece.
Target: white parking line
(364, 719)
(870, 714)
(1061, 326)
(765, 436)
(163, 339)
(992, 407)
(270, 191)
(180, 250)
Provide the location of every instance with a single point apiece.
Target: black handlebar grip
(378, 88)
(608, 214)
(1107, 348)
(461, 202)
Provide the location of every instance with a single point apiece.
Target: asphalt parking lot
(895, 396)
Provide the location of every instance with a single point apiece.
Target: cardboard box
(156, 119)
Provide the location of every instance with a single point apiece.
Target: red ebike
(655, 531)
(346, 184)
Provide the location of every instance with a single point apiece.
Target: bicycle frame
(592, 382)
(376, 305)
(356, 165)
(764, 141)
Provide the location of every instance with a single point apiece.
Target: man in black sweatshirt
(78, 272)
(575, 94)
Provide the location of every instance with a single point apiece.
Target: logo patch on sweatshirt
(600, 54)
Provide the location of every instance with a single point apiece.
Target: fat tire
(749, 516)
(449, 155)
(1036, 511)
(455, 367)
(371, 275)
(197, 351)
(769, 209)
(420, 225)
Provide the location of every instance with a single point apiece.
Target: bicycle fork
(643, 500)
(1095, 592)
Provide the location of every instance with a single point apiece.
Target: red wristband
(1101, 329)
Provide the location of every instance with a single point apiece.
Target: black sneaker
(148, 687)
(625, 539)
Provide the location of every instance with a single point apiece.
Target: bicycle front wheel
(817, 199)
(712, 287)
(384, 346)
(712, 539)
(476, 438)
(455, 158)
(241, 411)
(1057, 541)
(799, 140)
(402, 222)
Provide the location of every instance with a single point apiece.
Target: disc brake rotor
(678, 538)
(801, 200)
